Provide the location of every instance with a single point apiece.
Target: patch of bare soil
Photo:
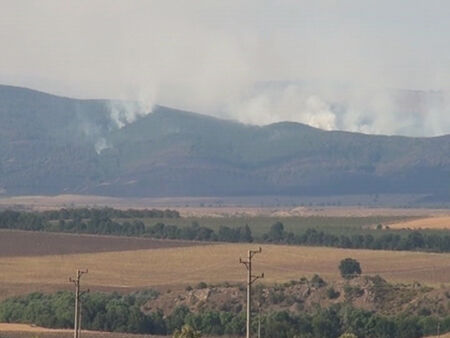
(31, 243)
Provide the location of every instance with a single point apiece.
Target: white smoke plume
(125, 112)
(337, 61)
(368, 110)
(101, 145)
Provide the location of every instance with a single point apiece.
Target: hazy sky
(331, 64)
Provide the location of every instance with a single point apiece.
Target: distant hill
(52, 145)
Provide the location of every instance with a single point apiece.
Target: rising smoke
(328, 64)
(125, 112)
(366, 110)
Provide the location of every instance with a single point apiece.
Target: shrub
(349, 268)
(202, 285)
(317, 281)
(332, 293)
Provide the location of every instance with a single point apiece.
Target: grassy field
(175, 267)
(438, 222)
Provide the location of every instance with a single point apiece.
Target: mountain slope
(55, 145)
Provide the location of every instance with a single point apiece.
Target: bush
(352, 292)
(349, 268)
(332, 293)
(202, 285)
(317, 281)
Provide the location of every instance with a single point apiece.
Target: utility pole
(77, 321)
(250, 280)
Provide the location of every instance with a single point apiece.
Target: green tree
(186, 332)
(348, 335)
(349, 268)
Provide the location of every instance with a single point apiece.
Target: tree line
(383, 239)
(123, 313)
(128, 223)
(98, 221)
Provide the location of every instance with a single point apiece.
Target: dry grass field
(175, 267)
(437, 222)
(28, 331)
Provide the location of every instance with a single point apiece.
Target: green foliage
(348, 335)
(317, 281)
(202, 285)
(113, 312)
(100, 311)
(102, 221)
(186, 332)
(133, 223)
(349, 268)
(332, 293)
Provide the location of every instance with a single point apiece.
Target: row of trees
(114, 312)
(101, 221)
(84, 213)
(43, 220)
(383, 240)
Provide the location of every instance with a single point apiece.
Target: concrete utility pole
(77, 321)
(250, 280)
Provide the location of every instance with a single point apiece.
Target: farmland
(173, 267)
(437, 222)
(27, 331)
(31, 243)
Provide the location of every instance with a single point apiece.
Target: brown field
(8, 330)
(437, 222)
(25, 331)
(30, 243)
(177, 267)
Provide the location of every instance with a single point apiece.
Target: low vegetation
(289, 314)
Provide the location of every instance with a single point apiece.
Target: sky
(369, 66)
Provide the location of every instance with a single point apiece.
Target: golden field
(436, 222)
(172, 267)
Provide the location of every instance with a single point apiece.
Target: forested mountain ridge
(52, 145)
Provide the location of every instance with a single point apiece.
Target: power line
(77, 321)
(250, 280)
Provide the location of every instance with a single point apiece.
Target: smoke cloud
(367, 110)
(125, 112)
(379, 67)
